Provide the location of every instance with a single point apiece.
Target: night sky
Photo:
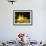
(25, 14)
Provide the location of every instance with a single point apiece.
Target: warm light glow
(22, 19)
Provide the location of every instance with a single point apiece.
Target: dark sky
(26, 14)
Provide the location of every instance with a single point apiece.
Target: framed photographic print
(22, 17)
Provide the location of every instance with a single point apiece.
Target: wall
(9, 31)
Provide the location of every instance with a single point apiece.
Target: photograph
(22, 17)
